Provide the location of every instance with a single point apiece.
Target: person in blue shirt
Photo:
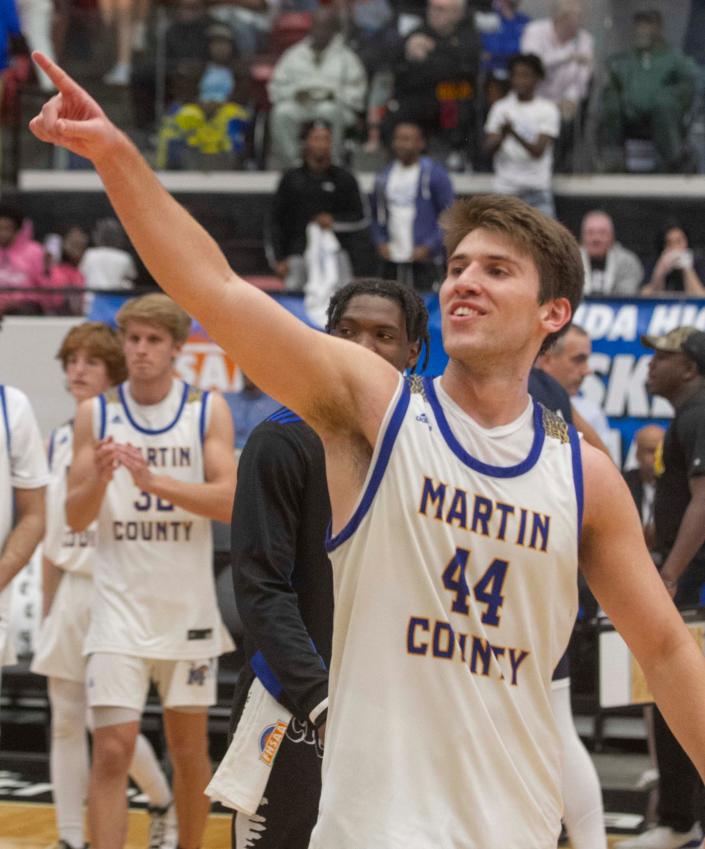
(9, 29)
(500, 34)
(409, 195)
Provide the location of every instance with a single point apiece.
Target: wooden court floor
(31, 826)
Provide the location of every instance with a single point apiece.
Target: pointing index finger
(57, 75)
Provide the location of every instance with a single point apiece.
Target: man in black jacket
(677, 373)
(435, 77)
(317, 192)
(282, 576)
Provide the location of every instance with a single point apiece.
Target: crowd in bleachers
(227, 84)
(421, 90)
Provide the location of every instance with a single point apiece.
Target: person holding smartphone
(677, 269)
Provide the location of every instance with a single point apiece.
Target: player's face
(490, 301)
(378, 324)
(571, 364)
(86, 375)
(666, 373)
(150, 351)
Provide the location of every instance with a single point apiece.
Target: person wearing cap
(677, 373)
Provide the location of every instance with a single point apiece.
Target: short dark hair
(648, 16)
(13, 213)
(531, 60)
(412, 306)
(551, 246)
(310, 126)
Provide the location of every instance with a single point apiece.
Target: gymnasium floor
(31, 826)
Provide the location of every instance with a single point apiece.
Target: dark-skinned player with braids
(282, 575)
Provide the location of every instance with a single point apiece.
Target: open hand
(71, 118)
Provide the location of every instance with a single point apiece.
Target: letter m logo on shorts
(197, 674)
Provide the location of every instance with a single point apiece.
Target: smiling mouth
(464, 311)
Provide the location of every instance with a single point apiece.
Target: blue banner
(619, 361)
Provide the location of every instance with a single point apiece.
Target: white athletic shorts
(59, 651)
(120, 680)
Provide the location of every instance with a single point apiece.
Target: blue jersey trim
(378, 471)
(266, 676)
(202, 418)
(283, 416)
(50, 449)
(577, 475)
(123, 401)
(475, 464)
(6, 419)
(103, 416)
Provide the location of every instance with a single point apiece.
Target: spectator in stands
(248, 407)
(567, 53)
(108, 266)
(320, 78)
(409, 195)
(211, 133)
(36, 18)
(649, 94)
(250, 21)
(520, 132)
(568, 361)
(610, 268)
(435, 79)
(677, 373)
(373, 34)
(22, 264)
(642, 480)
(677, 269)
(186, 45)
(317, 192)
(129, 20)
(64, 271)
(9, 32)
(500, 30)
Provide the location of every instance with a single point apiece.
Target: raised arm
(621, 574)
(322, 379)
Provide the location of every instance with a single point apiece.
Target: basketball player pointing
(153, 461)
(458, 514)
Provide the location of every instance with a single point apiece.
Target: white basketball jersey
(455, 596)
(22, 466)
(155, 592)
(70, 550)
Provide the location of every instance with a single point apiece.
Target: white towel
(240, 780)
(322, 257)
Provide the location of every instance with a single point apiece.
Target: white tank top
(455, 596)
(68, 549)
(155, 593)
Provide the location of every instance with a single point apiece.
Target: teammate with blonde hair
(92, 360)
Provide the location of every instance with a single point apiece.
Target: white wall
(28, 361)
